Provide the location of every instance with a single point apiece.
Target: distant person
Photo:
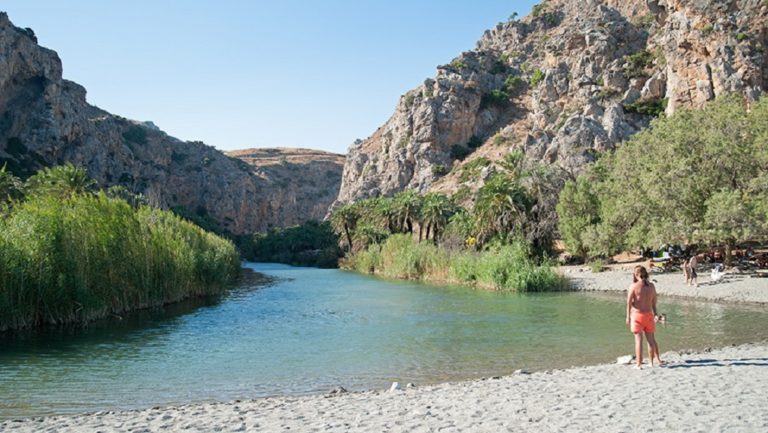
(686, 272)
(641, 315)
(692, 275)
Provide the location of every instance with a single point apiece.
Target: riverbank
(732, 288)
(719, 390)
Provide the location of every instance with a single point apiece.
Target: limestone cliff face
(575, 78)
(45, 120)
(302, 183)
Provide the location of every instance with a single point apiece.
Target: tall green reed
(76, 259)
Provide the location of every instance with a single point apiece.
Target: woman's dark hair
(640, 272)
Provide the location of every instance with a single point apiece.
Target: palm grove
(500, 243)
(698, 176)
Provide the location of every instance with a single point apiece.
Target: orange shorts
(642, 322)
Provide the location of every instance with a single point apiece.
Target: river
(311, 330)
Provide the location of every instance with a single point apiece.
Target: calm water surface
(312, 330)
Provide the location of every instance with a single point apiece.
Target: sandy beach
(734, 287)
(724, 389)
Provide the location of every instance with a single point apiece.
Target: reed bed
(506, 267)
(88, 256)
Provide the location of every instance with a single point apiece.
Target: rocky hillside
(303, 182)
(45, 120)
(573, 79)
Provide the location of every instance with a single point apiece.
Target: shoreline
(734, 288)
(721, 389)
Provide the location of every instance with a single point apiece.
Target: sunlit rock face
(573, 79)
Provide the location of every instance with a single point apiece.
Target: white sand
(722, 390)
(733, 288)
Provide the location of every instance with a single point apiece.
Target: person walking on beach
(641, 315)
(692, 262)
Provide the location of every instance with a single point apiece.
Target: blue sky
(239, 74)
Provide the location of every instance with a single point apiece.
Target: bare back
(642, 296)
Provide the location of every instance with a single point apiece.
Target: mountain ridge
(46, 120)
(562, 85)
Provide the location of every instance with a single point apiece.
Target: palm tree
(406, 207)
(377, 212)
(436, 210)
(62, 181)
(501, 206)
(367, 234)
(10, 186)
(344, 220)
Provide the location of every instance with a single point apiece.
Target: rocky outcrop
(45, 120)
(303, 183)
(573, 79)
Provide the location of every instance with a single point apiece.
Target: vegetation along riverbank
(499, 241)
(69, 255)
(668, 184)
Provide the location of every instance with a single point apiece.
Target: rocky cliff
(45, 120)
(303, 183)
(573, 79)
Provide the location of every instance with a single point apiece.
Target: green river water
(311, 330)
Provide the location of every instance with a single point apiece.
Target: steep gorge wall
(304, 182)
(45, 120)
(572, 80)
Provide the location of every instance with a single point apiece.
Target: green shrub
(471, 170)
(537, 77)
(538, 9)
(409, 100)
(651, 107)
(513, 83)
(608, 93)
(637, 63)
(439, 170)
(496, 98)
(597, 265)
(645, 22)
(742, 37)
(499, 139)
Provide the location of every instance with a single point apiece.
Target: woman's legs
(639, 348)
(653, 348)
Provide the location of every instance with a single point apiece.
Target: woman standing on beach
(641, 315)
